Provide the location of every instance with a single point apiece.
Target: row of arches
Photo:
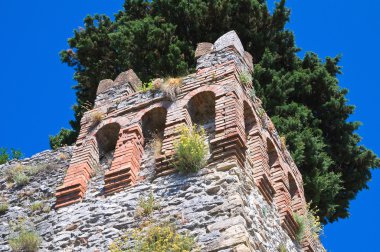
(277, 173)
(201, 109)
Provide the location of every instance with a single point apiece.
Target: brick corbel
(230, 141)
(176, 118)
(81, 168)
(127, 160)
(258, 161)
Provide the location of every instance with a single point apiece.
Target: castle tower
(240, 134)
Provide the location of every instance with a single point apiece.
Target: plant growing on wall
(191, 149)
(25, 241)
(24, 237)
(154, 238)
(309, 220)
(146, 205)
(245, 78)
(147, 86)
(3, 207)
(300, 232)
(171, 87)
(20, 174)
(96, 117)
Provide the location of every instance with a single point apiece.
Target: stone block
(229, 39)
(104, 85)
(128, 78)
(202, 49)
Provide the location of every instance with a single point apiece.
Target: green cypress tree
(302, 95)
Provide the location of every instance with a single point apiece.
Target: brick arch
(217, 90)
(107, 137)
(201, 107)
(122, 122)
(250, 120)
(293, 187)
(153, 122)
(138, 117)
(273, 157)
(297, 202)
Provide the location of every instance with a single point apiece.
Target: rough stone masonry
(243, 200)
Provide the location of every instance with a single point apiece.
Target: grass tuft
(36, 206)
(171, 87)
(245, 78)
(20, 174)
(300, 232)
(146, 205)
(96, 117)
(155, 238)
(25, 241)
(3, 208)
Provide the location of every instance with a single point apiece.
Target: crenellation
(103, 86)
(202, 49)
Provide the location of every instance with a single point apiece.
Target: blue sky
(36, 98)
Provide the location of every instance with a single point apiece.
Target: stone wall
(222, 208)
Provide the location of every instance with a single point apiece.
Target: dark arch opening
(293, 189)
(106, 138)
(249, 119)
(153, 124)
(201, 108)
(153, 128)
(272, 153)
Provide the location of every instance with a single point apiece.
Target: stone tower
(249, 168)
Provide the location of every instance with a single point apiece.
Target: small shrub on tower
(191, 149)
(245, 78)
(155, 238)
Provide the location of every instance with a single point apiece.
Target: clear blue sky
(36, 99)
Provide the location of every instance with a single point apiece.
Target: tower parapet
(218, 97)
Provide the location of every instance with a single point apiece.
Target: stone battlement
(239, 132)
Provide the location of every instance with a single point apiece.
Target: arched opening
(249, 120)
(153, 127)
(250, 126)
(106, 138)
(293, 189)
(272, 154)
(294, 194)
(201, 108)
(153, 124)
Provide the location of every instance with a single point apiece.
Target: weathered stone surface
(202, 49)
(129, 77)
(104, 85)
(97, 221)
(229, 39)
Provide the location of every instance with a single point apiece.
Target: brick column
(308, 243)
(298, 204)
(229, 143)
(81, 168)
(258, 160)
(126, 161)
(282, 200)
(176, 118)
